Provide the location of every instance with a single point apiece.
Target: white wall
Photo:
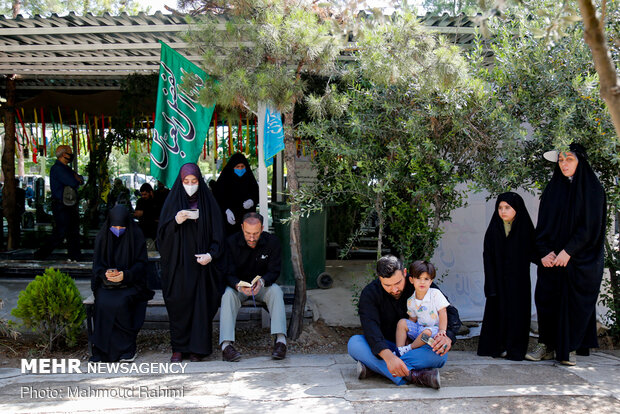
(459, 254)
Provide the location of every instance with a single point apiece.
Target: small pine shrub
(51, 306)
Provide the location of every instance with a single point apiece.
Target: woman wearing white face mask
(190, 238)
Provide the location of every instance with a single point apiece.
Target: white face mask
(190, 189)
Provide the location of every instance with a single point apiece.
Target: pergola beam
(80, 30)
(83, 47)
(85, 59)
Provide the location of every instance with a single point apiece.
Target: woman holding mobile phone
(119, 286)
(190, 240)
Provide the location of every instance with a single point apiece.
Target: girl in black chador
(119, 285)
(508, 250)
(569, 239)
(190, 239)
(236, 191)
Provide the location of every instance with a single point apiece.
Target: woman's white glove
(180, 217)
(230, 217)
(247, 204)
(203, 259)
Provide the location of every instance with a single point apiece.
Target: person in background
(236, 192)
(119, 194)
(64, 183)
(147, 211)
(29, 195)
(161, 192)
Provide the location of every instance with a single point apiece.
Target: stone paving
(318, 383)
(323, 384)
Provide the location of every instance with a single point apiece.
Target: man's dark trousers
(67, 221)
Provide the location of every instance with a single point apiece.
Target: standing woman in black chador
(569, 239)
(508, 250)
(119, 285)
(190, 244)
(236, 191)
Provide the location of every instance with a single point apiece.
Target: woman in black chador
(236, 191)
(508, 250)
(119, 285)
(190, 244)
(569, 239)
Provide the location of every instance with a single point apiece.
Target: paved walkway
(318, 383)
(324, 384)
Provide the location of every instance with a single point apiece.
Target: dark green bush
(51, 306)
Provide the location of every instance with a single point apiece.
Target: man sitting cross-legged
(382, 303)
(252, 253)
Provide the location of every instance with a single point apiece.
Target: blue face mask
(118, 232)
(240, 172)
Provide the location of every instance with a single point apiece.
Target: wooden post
(8, 166)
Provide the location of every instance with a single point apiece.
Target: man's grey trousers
(231, 303)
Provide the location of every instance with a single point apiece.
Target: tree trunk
(16, 7)
(8, 166)
(290, 155)
(379, 210)
(608, 78)
(21, 169)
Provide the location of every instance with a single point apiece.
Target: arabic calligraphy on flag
(181, 122)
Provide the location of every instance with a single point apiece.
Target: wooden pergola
(86, 52)
(89, 54)
(95, 52)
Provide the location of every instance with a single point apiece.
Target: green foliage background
(80, 7)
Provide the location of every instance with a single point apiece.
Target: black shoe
(128, 357)
(230, 354)
(279, 351)
(195, 357)
(424, 378)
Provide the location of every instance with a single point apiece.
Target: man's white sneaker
(540, 353)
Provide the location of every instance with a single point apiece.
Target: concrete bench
(249, 315)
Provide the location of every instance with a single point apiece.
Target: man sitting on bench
(253, 266)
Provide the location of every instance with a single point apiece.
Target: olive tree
(403, 127)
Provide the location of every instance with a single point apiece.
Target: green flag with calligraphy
(181, 122)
